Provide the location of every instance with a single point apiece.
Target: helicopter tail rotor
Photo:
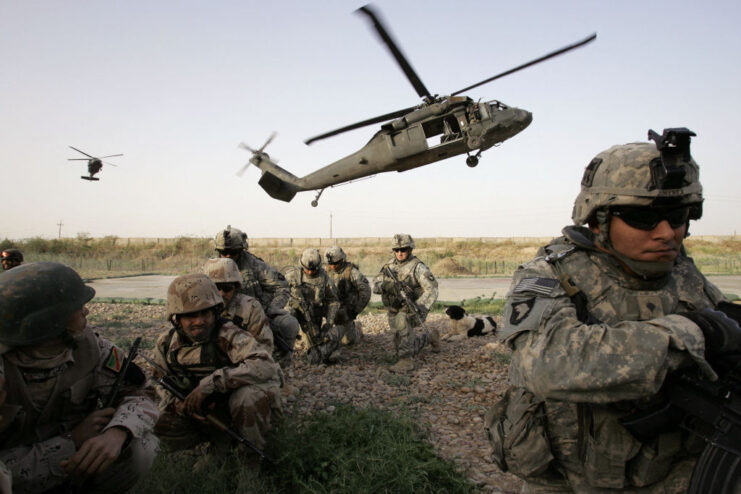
(257, 154)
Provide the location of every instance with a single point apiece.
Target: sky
(176, 85)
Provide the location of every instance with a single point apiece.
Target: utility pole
(59, 236)
(330, 226)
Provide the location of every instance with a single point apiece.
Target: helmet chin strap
(646, 270)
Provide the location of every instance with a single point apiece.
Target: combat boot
(404, 365)
(435, 340)
(335, 357)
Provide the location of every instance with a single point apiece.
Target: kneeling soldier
(218, 366)
(353, 290)
(56, 369)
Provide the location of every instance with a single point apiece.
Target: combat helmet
(642, 174)
(402, 241)
(222, 270)
(311, 259)
(192, 293)
(231, 239)
(37, 300)
(335, 254)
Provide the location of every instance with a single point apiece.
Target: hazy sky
(176, 85)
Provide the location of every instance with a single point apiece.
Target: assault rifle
(171, 384)
(313, 333)
(708, 409)
(406, 294)
(113, 393)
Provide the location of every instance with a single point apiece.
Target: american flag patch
(544, 286)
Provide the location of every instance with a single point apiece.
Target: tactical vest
(347, 292)
(407, 275)
(69, 403)
(196, 361)
(250, 282)
(587, 438)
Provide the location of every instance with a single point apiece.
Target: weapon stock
(168, 383)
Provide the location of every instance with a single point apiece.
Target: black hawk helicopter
(94, 165)
(464, 126)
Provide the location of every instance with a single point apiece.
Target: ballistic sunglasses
(648, 218)
(225, 287)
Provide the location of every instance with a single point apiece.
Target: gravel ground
(450, 391)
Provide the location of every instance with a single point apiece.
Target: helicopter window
(447, 126)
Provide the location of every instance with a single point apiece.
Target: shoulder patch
(543, 286)
(520, 310)
(114, 360)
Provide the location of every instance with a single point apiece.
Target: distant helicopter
(464, 126)
(94, 165)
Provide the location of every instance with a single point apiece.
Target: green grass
(346, 451)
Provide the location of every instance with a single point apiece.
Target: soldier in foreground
(220, 368)
(408, 289)
(243, 310)
(313, 299)
(353, 290)
(263, 282)
(55, 370)
(599, 319)
(11, 258)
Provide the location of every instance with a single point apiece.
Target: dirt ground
(449, 391)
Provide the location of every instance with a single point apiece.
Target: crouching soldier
(56, 370)
(220, 367)
(313, 298)
(353, 290)
(243, 310)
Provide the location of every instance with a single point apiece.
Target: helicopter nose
(523, 118)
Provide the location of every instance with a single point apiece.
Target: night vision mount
(668, 172)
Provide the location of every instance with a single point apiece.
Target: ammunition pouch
(517, 433)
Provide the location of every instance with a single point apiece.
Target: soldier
(11, 258)
(55, 370)
(313, 297)
(353, 290)
(599, 318)
(408, 302)
(263, 282)
(219, 365)
(243, 310)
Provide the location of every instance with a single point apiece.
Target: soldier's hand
(91, 425)
(722, 334)
(96, 454)
(194, 401)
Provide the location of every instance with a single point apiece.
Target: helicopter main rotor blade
(83, 152)
(110, 164)
(78, 159)
(532, 62)
(110, 156)
(370, 121)
(396, 52)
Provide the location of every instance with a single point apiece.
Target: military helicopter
(464, 126)
(94, 165)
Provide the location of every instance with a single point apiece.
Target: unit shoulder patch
(114, 360)
(520, 310)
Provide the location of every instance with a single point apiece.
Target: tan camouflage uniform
(589, 374)
(354, 292)
(269, 286)
(246, 312)
(416, 275)
(6, 479)
(321, 295)
(240, 374)
(44, 404)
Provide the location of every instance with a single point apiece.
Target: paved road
(451, 289)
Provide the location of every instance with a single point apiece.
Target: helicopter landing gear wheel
(315, 202)
(472, 161)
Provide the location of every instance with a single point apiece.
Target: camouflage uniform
(321, 296)
(6, 479)
(231, 367)
(593, 342)
(353, 291)
(268, 285)
(44, 405)
(246, 312)
(416, 275)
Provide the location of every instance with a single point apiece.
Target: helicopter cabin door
(407, 142)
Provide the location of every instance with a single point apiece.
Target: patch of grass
(397, 380)
(360, 451)
(502, 358)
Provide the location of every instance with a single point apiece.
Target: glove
(722, 334)
(731, 310)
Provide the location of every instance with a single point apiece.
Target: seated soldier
(56, 369)
(313, 298)
(219, 365)
(243, 310)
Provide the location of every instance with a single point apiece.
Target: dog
(463, 324)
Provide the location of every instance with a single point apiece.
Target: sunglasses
(401, 250)
(649, 218)
(225, 287)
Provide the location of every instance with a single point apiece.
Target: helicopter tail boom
(277, 188)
